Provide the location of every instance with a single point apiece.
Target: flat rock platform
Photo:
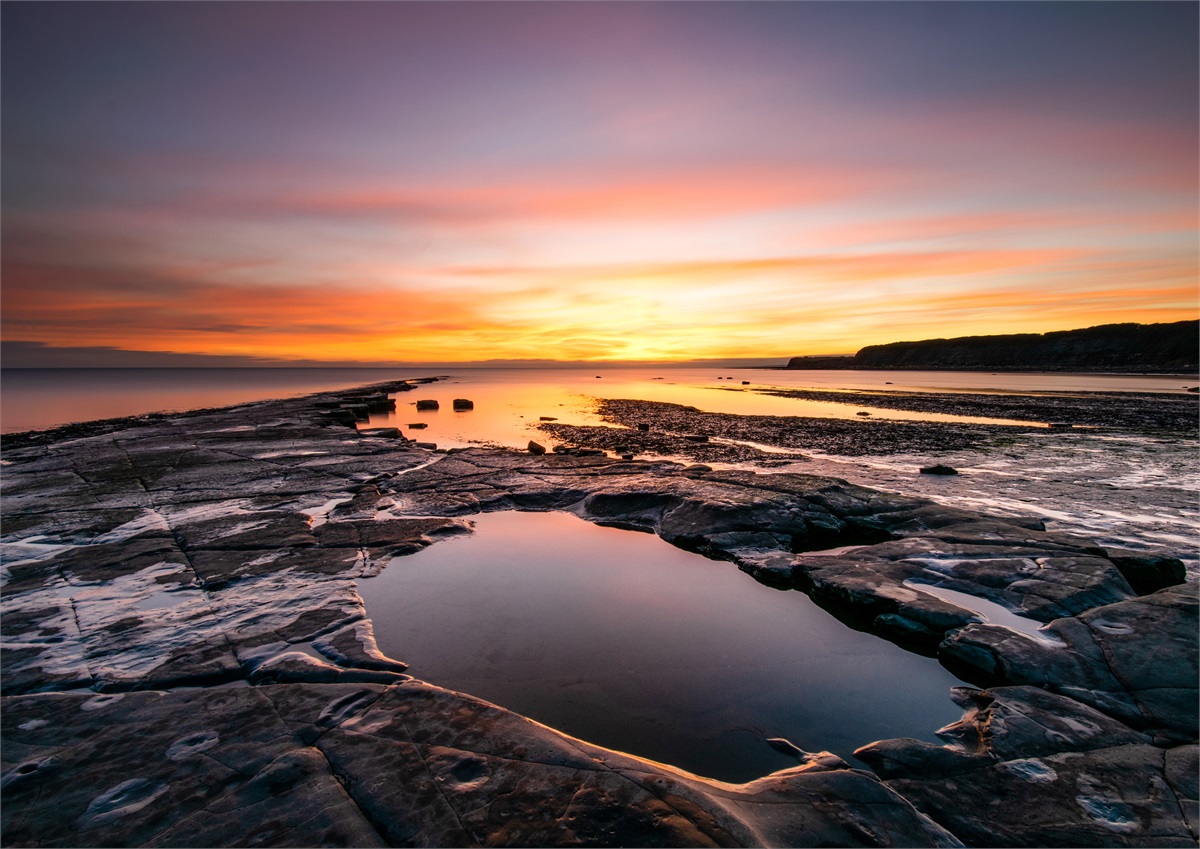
(186, 661)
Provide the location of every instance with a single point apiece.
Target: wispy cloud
(429, 182)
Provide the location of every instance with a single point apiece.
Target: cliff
(1107, 348)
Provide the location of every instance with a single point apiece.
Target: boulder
(1148, 573)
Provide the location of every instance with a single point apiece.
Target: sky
(419, 182)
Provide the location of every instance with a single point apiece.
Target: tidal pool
(626, 641)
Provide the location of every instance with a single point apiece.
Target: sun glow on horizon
(581, 182)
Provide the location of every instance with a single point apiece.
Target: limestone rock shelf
(186, 660)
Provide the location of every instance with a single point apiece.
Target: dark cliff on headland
(1166, 348)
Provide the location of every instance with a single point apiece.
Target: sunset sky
(463, 181)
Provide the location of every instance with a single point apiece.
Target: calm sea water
(1129, 491)
(32, 399)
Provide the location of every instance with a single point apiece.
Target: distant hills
(1164, 348)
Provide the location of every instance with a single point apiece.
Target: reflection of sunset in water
(629, 642)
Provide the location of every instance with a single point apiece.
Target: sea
(1127, 490)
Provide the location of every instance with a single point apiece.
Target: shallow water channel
(626, 641)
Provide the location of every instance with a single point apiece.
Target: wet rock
(1015, 722)
(380, 432)
(1116, 796)
(1182, 769)
(904, 630)
(809, 761)
(461, 404)
(547, 418)
(1148, 573)
(427, 404)
(535, 448)
(297, 667)
(938, 469)
(196, 553)
(904, 757)
(1135, 660)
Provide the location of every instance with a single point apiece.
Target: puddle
(623, 640)
(994, 613)
(166, 599)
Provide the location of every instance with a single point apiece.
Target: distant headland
(1117, 348)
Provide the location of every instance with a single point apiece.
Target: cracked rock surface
(186, 661)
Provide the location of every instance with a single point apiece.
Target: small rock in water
(1061, 425)
(547, 418)
(391, 432)
(745, 383)
(862, 414)
(939, 469)
(696, 438)
(535, 448)
(627, 456)
(430, 445)
(643, 427)
(417, 425)
(463, 404)
(427, 404)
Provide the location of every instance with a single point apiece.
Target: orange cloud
(823, 304)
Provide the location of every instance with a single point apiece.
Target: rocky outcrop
(185, 660)
(401, 765)
(1108, 347)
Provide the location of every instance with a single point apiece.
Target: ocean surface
(1128, 490)
(34, 399)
